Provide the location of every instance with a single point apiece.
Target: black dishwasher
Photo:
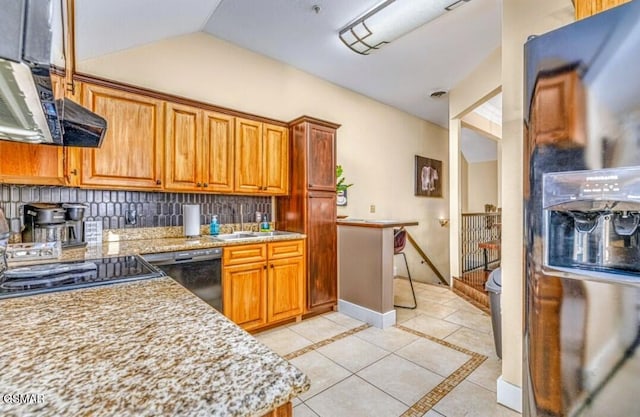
(199, 271)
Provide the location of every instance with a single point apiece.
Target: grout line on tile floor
(431, 398)
(325, 342)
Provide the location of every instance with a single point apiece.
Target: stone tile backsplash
(152, 209)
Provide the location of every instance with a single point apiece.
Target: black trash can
(494, 288)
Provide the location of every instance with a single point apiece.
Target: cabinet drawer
(286, 249)
(244, 254)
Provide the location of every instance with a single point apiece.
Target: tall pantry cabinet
(310, 207)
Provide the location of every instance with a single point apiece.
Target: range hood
(29, 112)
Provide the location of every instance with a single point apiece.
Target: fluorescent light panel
(389, 20)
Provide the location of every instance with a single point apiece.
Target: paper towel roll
(191, 219)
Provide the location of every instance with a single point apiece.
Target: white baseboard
(380, 320)
(509, 395)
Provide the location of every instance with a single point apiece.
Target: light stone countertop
(156, 245)
(144, 348)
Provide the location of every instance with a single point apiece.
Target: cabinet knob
(198, 185)
(206, 185)
(74, 171)
(158, 182)
(271, 265)
(264, 267)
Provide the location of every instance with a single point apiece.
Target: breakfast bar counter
(365, 269)
(142, 348)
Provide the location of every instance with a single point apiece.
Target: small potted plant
(341, 186)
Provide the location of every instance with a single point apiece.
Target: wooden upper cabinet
(57, 84)
(276, 159)
(586, 8)
(183, 148)
(131, 155)
(321, 167)
(218, 147)
(261, 158)
(198, 150)
(248, 156)
(558, 110)
(22, 163)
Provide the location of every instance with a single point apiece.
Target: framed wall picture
(429, 177)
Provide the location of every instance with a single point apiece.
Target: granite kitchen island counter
(143, 348)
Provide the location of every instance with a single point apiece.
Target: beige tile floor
(360, 371)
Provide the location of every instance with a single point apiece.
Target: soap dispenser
(214, 227)
(265, 226)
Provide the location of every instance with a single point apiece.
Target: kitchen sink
(251, 235)
(236, 236)
(274, 233)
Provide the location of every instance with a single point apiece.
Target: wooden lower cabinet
(286, 289)
(260, 290)
(285, 410)
(244, 294)
(322, 236)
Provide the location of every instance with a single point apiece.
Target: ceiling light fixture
(391, 19)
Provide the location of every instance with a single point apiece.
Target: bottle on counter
(214, 227)
(265, 226)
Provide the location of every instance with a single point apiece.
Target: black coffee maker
(43, 222)
(74, 225)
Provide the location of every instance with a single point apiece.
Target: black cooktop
(62, 276)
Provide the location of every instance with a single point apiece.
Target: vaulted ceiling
(403, 74)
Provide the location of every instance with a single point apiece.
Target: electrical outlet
(372, 208)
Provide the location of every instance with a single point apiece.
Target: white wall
(520, 18)
(464, 180)
(481, 185)
(484, 82)
(376, 143)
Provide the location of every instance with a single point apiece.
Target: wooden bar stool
(399, 242)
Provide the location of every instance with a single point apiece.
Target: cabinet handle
(74, 171)
(158, 182)
(198, 185)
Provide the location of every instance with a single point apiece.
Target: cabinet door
(34, 164)
(321, 167)
(218, 152)
(286, 288)
(131, 154)
(322, 275)
(558, 112)
(183, 148)
(248, 156)
(22, 163)
(276, 159)
(586, 8)
(244, 298)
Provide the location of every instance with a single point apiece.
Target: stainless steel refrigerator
(582, 218)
